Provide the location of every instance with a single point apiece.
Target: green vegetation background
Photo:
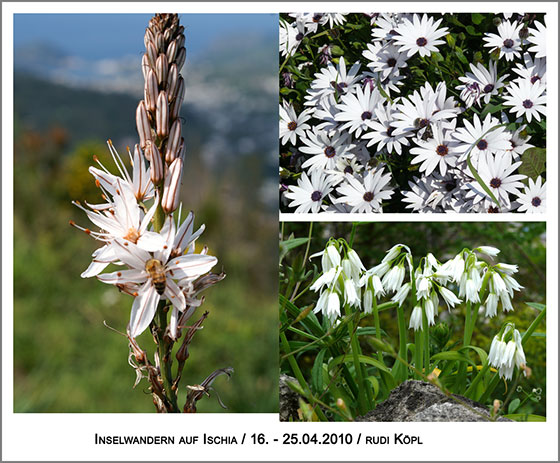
(523, 244)
(65, 360)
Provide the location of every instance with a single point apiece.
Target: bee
(156, 271)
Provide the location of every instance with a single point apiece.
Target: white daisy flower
(386, 25)
(344, 165)
(309, 193)
(440, 151)
(492, 141)
(292, 125)
(291, 36)
(532, 70)
(326, 150)
(537, 37)
(480, 84)
(419, 36)
(384, 58)
(332, 81)
(497, 173)
(526, 99)
(383, 131)
(533, 198)
(366, 194)
(507, 40)
(356, 111)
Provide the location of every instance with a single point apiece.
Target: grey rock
(289, 404)
(420, 401)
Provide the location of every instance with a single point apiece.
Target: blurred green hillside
(65, 360)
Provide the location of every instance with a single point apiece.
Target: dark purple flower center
(536, 201)
(527, 104)
(421, 42)
(292, 125)
(390, 131)
(317, 17)
(482, 144)
(495, 183)
(421, 123)
(329, 151)
(348, 170)
(299, 36)
(488, 88)
(442, 150)
(316, 196)
(368, 196)
(493, 210)
(391, 62)
(508, 43)
(535, 79)
(393, 32)
(366, 115)
(450, 185)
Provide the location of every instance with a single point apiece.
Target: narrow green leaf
(480, 181)
(477, 18)
(317, 372)
(453, 355)
(536, 305)
(363, 359)
(375, 385)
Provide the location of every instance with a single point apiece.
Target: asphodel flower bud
(156, 163)
(172, 82)
(162, 115)
(151, 90)
(162, 68)
(160, 42)
(181, 38)
(181, 56)
(171, 186)
(174, 142)
(152, 54)
(145, 65)
(178, 101)
(172, 51)
(148, 37)
(143, 125)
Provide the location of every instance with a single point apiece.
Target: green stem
(377, 325)
(426, 341)
(400, 365)
(472, 388)
(298, 374)
(362, 405)
(165, 360)
(418, 359)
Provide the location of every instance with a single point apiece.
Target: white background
(71, 436)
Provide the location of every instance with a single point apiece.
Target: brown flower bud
(145, 65)
(173, 142)
(143, 125)
(160, 43)
(151, 91)
(181, 56)
(156, 164)
(152, 54)
(180, 41)
(162, 67)
(148, 37)
(162, 115)
(171, 186)
(172, 51)
(172, 81)
(176, 107)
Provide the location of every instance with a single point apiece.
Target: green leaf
(460, 55)
(536, 305)
(513, 405)
(317, 372)
(375, 385)
(480, 352)
(363, 359)
(450, 40)
(311, 323)
(525, 417)
(490, 109)
(337, 51)
(477, 18)
(533, 162)
(453, 355)
(471, 30)
(480, 181)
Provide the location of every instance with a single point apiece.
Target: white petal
(143, 309)
(151, 242)
(190, 265)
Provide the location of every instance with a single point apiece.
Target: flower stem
(377, 325)
(165, 360)
(362, 405)
(426, 342)
(400, 369)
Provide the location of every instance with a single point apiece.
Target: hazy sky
(97, 36)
